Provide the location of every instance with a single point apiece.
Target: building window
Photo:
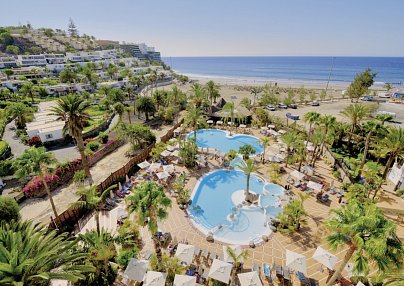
(49, 136)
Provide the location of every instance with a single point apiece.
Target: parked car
(282, 105)
(293, 106)
(315, 103)
(367, 98)
(270, 107)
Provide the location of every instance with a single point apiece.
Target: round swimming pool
(222, 141)
(217, 207)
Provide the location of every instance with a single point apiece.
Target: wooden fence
(72, 215)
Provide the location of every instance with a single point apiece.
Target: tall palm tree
(312, 117)
(30, 254)
(36, 161)
(119, 108)
(247, 167)
(72, 109)
(393, 144)
(28, 89)
(194, 119)
(198, 95)
(371, 127)
(264, 141)
(230, 109)
(369, 236)
(21, 112)
(255, 91)
(317, 138)
(355, 113)
(150, 202)
(129, 110)
(327, 122)
(92, 200)
(290, 139)
(146, 105)
(213, 92)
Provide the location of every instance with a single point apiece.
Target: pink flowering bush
(36, 188)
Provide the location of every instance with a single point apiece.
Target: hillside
(27, 40)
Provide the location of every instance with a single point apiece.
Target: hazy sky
(228, 27)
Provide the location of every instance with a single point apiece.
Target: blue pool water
(216, 197)
(219, 140)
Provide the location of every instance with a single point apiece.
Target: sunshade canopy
(325, 258)
(184, 280)
(136, 269)
(249, 279)
(237, 251)
(220, 271)
(154, 278)
(296, 261)
(185, 252)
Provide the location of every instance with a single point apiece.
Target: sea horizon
(289, 69)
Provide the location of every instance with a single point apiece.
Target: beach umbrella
(220, 271)
(163, 175)
(264, 128)
(273, 132)
(165, 153)
(121, 212)
(325, 258)
(127, 178)
(249, 279)
(298, 175)
(144, 165)
(136, 269)
(237, 251)
(170, 148)
(185, 252)
(243, 126)
(360, 284)
(154, 278)
(271, 126)
(209, 121)
(296, 261)
(184, 280)
(281, 131)
(219, 122)
(169, 168)
(154, 167)
(314, 186)
(175, 153)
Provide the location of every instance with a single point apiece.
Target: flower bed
(62, 175)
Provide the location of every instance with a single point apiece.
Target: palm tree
(30, 254)
(238, 260)
(230, 108)
(312, 117)
(384, 117)
(289, 138)
(198, 95)
(255, 91)
(101, 250)
(393, 144)
(149, 202)
(171, 266)
(92, 200)
(355, 113)
(28, 89)
(146, 105)
(247, 167)
(21, 112)
(129, 110)
(36, 161)
(370, 238)
(213, 92)
(194, 119)
(327, 122)
(317, 138)
(72, 109)
(264, 141)
(370, 127)
(120, 109)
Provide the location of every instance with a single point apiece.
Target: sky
(228, 27)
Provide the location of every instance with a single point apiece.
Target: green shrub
(6, 168)
(103, 137)
(9, 209)
(3, 146)
(125, 256)
(93, 146)
(79, 177)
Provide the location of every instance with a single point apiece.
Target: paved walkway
(39, 209)
(17, 147)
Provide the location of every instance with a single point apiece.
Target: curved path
(17, 147)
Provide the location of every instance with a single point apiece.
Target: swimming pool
(222, 141)
(217, 207)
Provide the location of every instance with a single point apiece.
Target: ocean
(290, 69)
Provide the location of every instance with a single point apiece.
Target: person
(340, 199)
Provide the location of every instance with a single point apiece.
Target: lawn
(97, 117)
